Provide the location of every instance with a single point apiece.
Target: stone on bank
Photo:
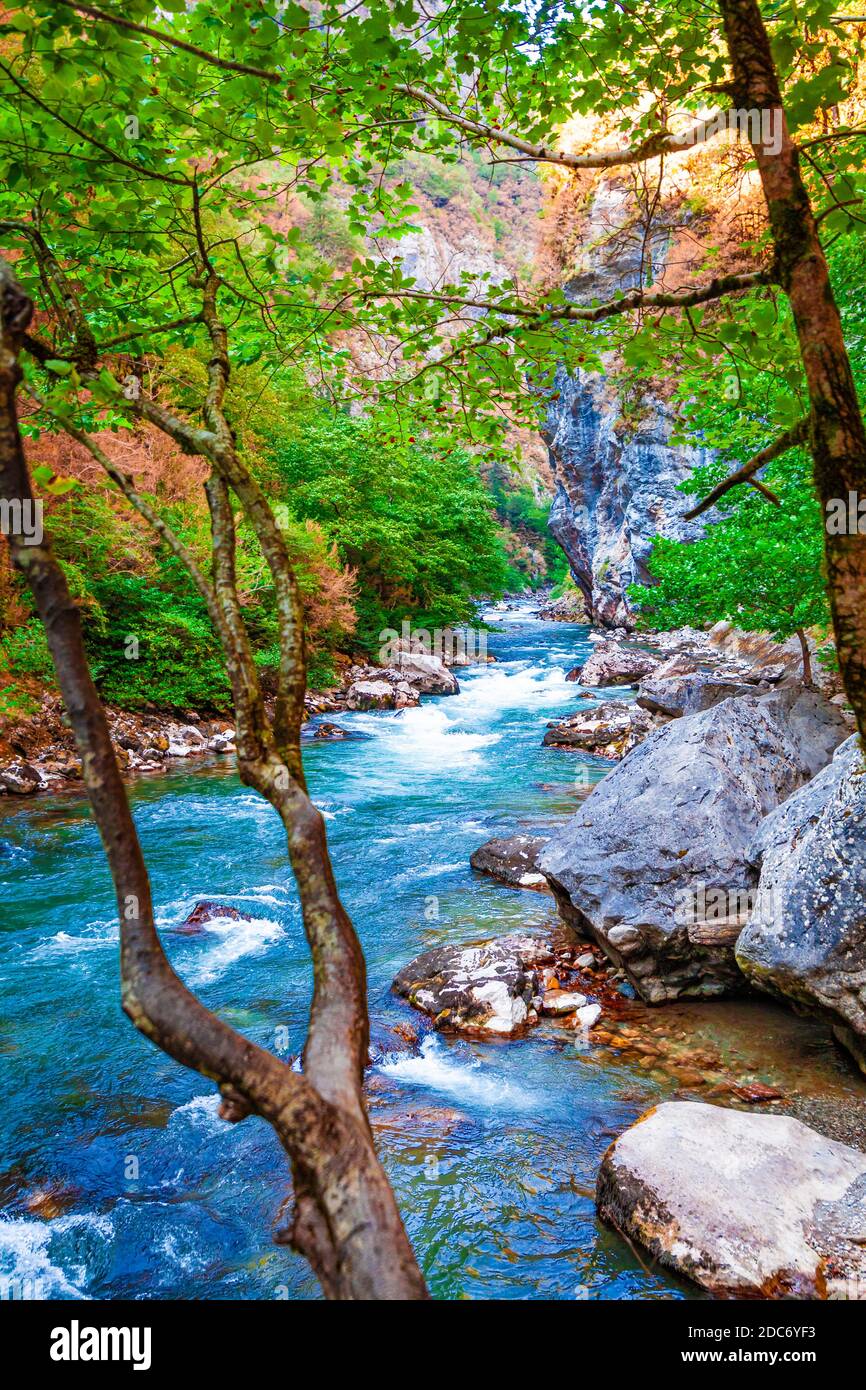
(746, 1205)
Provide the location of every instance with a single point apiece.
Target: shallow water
(117, 1179)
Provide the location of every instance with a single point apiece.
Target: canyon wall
(615, 469)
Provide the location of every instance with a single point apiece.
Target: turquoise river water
(117, 1179)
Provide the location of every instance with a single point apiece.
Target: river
(118, 1180)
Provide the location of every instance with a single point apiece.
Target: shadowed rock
(806, 938)
(512, 860)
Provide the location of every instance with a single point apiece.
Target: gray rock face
(654, 864)
(512, 860)
(378, 694)
(493, 987)
(616, 477)
(612, 664)
(679, 695)
(616, 489)
(745, 1205)
(806, 937)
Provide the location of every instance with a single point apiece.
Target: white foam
(234, 941)
(29, 1255)
(94, 938)
(201, 1111)
(469, 1081)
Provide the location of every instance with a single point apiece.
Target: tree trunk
(807, 657)
(347, 1222)
(837, 437)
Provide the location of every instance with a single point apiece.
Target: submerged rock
(806, 938)
(512, 860)
(205, 912)
(745, 1205)
(613, 664)
(492, 987)
(654, 864)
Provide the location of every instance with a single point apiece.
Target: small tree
(758, 566)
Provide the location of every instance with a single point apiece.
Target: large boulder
(654, 864)
(380, 693)
(512, 860)
(426, 673)
(613, 664)
(806, 937)
(675, 696)
(745, 1205)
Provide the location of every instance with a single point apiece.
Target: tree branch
(140, 169)
(654, 145)
(348, 1223)
(797, 434)
(577, 313)
(228, 64)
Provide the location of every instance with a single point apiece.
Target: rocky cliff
(615, 469)
(616, 484)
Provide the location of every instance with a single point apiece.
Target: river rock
(425, 673)
(562, 1001)
(675, 696)
(371, 694)
(205, 912)
(806, 938)
(570, 607)
(491, 987)
(665, 834)
(614, 664)
(512, 860)
(608, 730)
(222, 742)
(746, 1205)
(20, 779)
